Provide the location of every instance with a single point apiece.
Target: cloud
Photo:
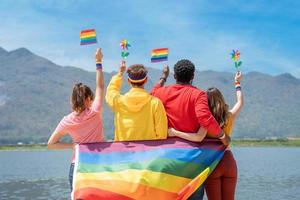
(202, 31)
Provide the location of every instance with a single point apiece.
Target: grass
(23, 147)
(235, 143)
(266, 143)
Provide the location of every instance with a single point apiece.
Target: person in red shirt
(187, 108)
(186, 105)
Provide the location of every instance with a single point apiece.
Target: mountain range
(35, 93)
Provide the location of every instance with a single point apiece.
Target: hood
(136, 99)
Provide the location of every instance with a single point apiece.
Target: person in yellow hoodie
(138, 115)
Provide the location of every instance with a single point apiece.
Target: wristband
(162, 78)
(98, 65)
(238, 86)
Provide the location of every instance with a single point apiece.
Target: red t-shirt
(187, 108)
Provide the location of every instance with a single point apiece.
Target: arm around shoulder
(194, 137)
(205, 117)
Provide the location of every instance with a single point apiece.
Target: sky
(267, 32)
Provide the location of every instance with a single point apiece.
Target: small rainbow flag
(159, 55)
(158, 169)
(88, 37)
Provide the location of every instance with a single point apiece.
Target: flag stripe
(85, 43)
(132, 190)
(89, 40)
(161, 60)
(157, 180)
(160, 50)
(187, 155)
(193, 185)
(159, 56)
(141, 146)
(159, 53)
(88, 31)
(189, 170)
(96, 193)
(88, 36)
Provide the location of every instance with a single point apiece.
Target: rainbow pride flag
(159, 55)
(144, 170)
(88, 37)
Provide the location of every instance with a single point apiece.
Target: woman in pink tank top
(84, 124)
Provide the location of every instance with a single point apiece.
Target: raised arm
(195, 137)
(99, 94)
(162, 80)
(114, 87)
(239, 96)
(164, 76)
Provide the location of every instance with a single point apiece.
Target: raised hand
(166, 72)
(122, 67)
(238, 76)
(98, 55)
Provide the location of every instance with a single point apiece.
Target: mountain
(35, 92)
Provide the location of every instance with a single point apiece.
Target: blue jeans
(198, 194)
(71, 175)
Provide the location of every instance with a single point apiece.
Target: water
(264, 173)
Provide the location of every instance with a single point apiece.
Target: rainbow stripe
(160, 169)
(88, 37)
(159, 55)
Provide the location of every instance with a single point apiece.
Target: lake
(265, 173)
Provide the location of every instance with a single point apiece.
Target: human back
(186, 106)
(180, 101)
(138, 115)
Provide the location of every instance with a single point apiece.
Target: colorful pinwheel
(235, 55)
(124, 46)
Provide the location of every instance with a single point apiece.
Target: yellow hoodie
(138, 115)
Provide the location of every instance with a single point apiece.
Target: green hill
(34, 96)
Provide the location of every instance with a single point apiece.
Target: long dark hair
(218, 106)
(80, 93)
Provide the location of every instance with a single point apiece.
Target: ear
(175, 77)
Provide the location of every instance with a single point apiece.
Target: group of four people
(179, 110)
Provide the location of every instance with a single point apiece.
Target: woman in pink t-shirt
(84, 124)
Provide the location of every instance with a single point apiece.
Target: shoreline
(234, 143)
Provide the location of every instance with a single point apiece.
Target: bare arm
(239, 96)
(99, 77)
(55, 143)
(164, 76)
(195, 137)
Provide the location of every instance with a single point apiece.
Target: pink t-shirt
(86, 127)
